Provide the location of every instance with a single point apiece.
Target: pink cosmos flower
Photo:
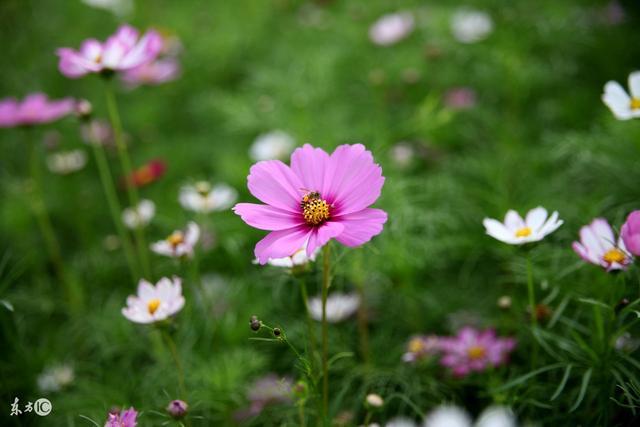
(152, 73)
(460, 98)
(421, 347)
(123, 51)
(126, 418)
(35, 109)
(630, 233)
(179, 243)
(598, 246)
(474, 350)
(155, 303)
(391, 28)
(317, 198)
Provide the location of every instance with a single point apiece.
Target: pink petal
(114, 52)
(282, 243)
(273, 183)
(74, 65)
(145, 51)
(321, 235)
(8, 112)
(91, 50)
(265, 217)
(310, 165)
(360, 227)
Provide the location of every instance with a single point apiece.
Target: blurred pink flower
(122, 51)
(598, 246)
(392, 28)
(35, 109)
(179, 243)
(152, 73)
(460, 98)
(126, 418)
(265, 391)
(318, 198)
(630, 233)
(155, 303)
(420, 347)
(474, 350)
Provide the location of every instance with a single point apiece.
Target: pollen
(523, 232)
(476, 352)
(315, 210)
(176, 238)
(153, 305)
(614, 255)
(634, 104)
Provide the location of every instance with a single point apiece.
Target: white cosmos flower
(401, 422)
(117, 7)
(392, 28)
(298, 259)
(179, 243)
(623, 106)
(155, 303)
(598, 246)
(516, 231)
(470, 26)
(66, 162)
(272, 146)
(55, 378)
(139, 216)
(204, 198)
(339, 307)
(453, 416)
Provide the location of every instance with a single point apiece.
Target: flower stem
(325, 332)
(532, 308)
(125, 163)
(114, 205)
(72, 288)
(312, 335)
(176, 358)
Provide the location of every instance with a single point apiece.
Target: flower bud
(374, 400)
(84, 109)
(277, 332)
(504, 302)
(177, 409)
(255, 325)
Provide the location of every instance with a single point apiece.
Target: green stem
(312, 335)
(114, 206)
(532, 308)
(176, 358)
(363, 329)
(72, 289)
(125, 164)
(325, 332)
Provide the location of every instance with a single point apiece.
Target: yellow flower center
(614, 255)
(153, 305)
(203, 188)
(476, 352)
(634, 104)
(314, 209)
(416, 345)
(176, 238)
(523, 232)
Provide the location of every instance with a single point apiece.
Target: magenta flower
(318, 198)
(630, 233)
(35, 109)
(122, 51)
(598, 246)
(152, 73)
(126, 418)
(474, 350)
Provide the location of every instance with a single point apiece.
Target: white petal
(634, 84)
(535, 218)
(513, 221)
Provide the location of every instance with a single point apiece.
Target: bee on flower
(599, 246)
(516, 231)
(179, 243)
(202, 197)
(155, 303)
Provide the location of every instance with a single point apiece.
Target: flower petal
(310, 165)
(281, 243)
(321, 235)
(535, 218)
(360, 227)
(274, 183)
(265, 217)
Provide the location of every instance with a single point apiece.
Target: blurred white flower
(402, 154)
(203, 198)
(401, 422)
(155, 303)
(298, 259)
(272, 146)
(374, 400)
(117, 7)
(339, 307)
(392, 28)
(516, 231)
(139, 216)
(470, 26)
(627, 343)
(623, 106)
(447, 416)
(55, 378)
(66, 162)
(179, 243)
(453, 416)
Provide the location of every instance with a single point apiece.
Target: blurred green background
(538, 135)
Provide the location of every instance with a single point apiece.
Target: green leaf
(524, 378)
(7, 304)
(594, 302)
(565, 377)
(583, 389)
